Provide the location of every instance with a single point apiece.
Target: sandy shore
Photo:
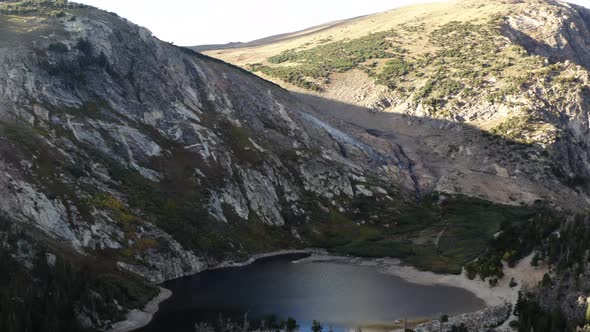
(523, 273)
(137, 319)
(226, 264)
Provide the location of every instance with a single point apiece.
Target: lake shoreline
(524, 273)
(137, 319)
(254, 258)
(498, 296)
(395, 267)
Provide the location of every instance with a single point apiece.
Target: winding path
(440, 235)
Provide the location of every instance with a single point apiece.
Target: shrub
(291, 75)
(425, 90)
(288, 55)
(489, 265)
(513, 283)
(291, 325)
(84, 46)
(58, 47)
(394, 69)
(316, 326)
(321, 61)
(459, 328)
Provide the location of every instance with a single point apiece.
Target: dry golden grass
(424, 17)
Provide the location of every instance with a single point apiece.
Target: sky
(199, 22)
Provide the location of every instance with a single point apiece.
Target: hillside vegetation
(514, 70)
(490, 100)
(435, 60)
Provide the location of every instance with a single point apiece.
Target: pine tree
(316, 326)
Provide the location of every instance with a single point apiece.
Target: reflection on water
(343, 296)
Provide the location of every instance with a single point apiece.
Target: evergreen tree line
(563, 243)
(513, 243)
(534, 317)
(269, 323)
(44, 293)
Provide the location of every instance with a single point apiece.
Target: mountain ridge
(393, 80)
(139, 156)
(266, 40)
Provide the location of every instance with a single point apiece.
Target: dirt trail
(436, 242)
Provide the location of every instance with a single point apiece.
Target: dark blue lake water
(344, 296)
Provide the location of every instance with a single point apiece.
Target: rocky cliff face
(512, 71)
(113, 141)
(487, 98)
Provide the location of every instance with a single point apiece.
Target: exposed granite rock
(93, 132)
(479, 321)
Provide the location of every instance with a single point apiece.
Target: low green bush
(58, 47)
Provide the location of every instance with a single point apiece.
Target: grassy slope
(439, 234)
(445, 56)
(412, 24)
(352, 29)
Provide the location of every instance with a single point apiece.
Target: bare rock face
(558, 32)
(515, 72)
(112, 140)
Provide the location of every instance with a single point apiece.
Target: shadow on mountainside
(460, 158)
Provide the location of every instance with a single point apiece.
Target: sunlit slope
(431, 60)
(407, 29)
(516, 70)
(355, 28)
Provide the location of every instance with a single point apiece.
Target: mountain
(489, 99)
(511, 70)
(267, 40)
(127, 161)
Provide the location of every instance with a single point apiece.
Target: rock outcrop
(514, 72)
(479, 321)
(113, 141)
